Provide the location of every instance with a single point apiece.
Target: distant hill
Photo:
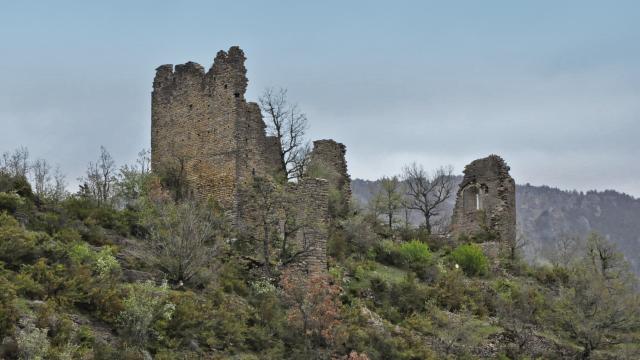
(545, 214)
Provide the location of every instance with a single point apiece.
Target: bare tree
(100, 177)
(604, 256)
(183, 238)
(600, 304)
(388, 200)
(17, 162)
(565, 250)
(59, 186)
(131, 179)
(426, 192)
(286, 122)
(515, 247)
(144, 161)
(41, 177)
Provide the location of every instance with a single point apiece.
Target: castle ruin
(486, 201)
(202, 127)
(203, 130)
(327, 160)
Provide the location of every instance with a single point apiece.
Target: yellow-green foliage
(17, 245)
(8, 310)
(415, 252)
(145, 306)
(10, 201)
(399, 300)
(471, 258)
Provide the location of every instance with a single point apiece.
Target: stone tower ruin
(203, 129)
(486, 201)
(327, 160)
(204, 133)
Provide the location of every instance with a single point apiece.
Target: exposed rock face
(328, 160)
(202, 127)
(205, 132)
(486, 201)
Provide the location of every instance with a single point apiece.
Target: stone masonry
(328, 159)
(486, 201)
(202, 120)
(202, 125)
(313, 213)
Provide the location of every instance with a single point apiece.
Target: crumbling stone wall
(202, 122)
(202, 126)
(486, 201)
(327, 160)
(310, 200)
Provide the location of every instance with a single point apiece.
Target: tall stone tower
(203, 128)
(205, 133)
(486, 201)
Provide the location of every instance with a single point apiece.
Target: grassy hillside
(90, 277)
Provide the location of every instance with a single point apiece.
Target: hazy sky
(551, 86)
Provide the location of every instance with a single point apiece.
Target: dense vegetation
(120, 270)
(549, 217)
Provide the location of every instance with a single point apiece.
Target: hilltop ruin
(486, 201)
(204, 130)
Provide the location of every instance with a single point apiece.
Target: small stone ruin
(486, 202)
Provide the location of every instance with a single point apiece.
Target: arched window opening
(471, 199)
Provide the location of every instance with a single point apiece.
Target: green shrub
(451, 290)
(32, 341)
(145, 305)
(551, 275)
(471, 258)
(67, 236)
(106, 265)
(414, 252)
(17, 245)
(8, 310)
(78, 207)
(80, 253)
(10, 202)
(55, 281)
(386, 252)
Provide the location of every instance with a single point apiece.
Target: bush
(32, 341)
(67, 236)
(17, 246)
(145, 305)
(414, 255)
(8, 310)
(10, 202)
(387, 253)
(471, 258)
(414, 252)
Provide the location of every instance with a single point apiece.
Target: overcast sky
(551, 86)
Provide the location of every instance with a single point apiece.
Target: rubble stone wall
(329, 155)
(204, 120)
(201, 122)
(486, 200)
(310, 198)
